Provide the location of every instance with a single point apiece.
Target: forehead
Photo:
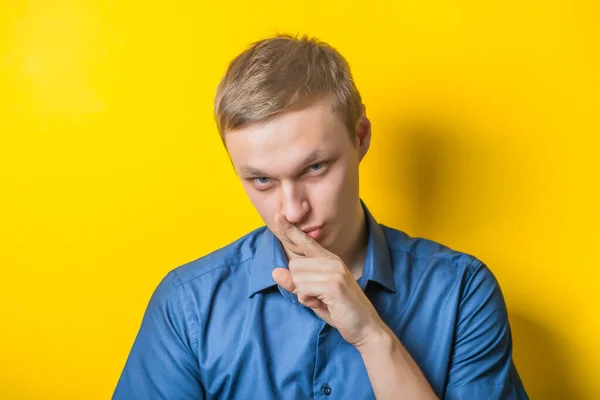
(283, 142)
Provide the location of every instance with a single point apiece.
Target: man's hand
(323, 283)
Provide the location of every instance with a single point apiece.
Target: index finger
(295, 235)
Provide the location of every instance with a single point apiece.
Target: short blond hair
(277, 73)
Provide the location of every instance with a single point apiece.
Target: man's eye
(317, 168)
(261, 180)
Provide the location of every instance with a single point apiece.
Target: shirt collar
(269, 255)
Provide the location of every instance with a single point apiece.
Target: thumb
(283, 277)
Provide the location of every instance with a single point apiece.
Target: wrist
(378, 339)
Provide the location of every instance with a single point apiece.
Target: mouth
(314, 232)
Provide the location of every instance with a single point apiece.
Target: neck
(354, 251)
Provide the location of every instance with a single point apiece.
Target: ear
(363, 133)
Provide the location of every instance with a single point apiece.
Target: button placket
(322, 373)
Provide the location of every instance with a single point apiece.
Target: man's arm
(481, 365)
(392, 371)
(162, 363)
(324, 283)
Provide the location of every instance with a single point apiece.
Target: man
(323, 302)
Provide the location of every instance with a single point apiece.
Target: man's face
(303, 164)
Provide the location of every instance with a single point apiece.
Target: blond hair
(277, 73)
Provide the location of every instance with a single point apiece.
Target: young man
(323, 302)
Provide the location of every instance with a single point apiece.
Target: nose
(294, 203)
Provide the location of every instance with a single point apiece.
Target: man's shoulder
(423, 250)
(435, 265)
(219, 261)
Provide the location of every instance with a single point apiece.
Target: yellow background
(485, 137)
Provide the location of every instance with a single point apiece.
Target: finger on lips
(296, 236)
(308, 269)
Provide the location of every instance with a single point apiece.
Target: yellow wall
(485, 122)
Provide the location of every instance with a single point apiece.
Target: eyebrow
(316, 155)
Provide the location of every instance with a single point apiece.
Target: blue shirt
(220, 327)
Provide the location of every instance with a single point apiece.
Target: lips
(313, 232)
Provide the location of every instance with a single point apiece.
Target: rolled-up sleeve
(162, 363)
(482, 366)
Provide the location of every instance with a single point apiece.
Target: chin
(326, 241)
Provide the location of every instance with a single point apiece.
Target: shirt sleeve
(482, 366)
(162, 363)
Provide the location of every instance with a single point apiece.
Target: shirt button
(326, 389)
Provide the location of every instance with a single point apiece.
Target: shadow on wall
(455, 179)
(541, 362)
(455, 182)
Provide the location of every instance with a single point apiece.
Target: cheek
(266, 204)
(343, 180)
(263, 202)
(328, 193)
